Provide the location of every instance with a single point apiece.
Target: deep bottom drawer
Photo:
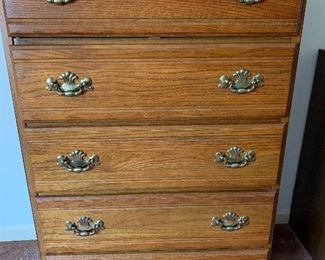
(164, 222)
(199, 255)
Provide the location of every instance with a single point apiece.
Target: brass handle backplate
(59, 2)
(85, 226)
(79, 162)
(235, 157)
(242, 82)
(68, 86)
(249, 2)
(230, 221)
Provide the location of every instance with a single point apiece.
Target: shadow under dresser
(182, 108)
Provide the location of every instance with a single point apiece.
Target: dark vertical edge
(308, 206)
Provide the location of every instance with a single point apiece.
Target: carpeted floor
(286, 246)
(20, 250)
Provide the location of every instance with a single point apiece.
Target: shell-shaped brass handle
(235, 157)
(78, 161)
(230, 221)
(249, 2)
(85, 226)
(59, 2)
(242, 82)
(68, 86)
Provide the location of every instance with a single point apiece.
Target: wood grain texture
(152, 159)
(154, 40)
(153, 82)
(156, 222)
(147, 17)
(145, 82)
(260, 254)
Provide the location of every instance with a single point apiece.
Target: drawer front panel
(155, 222)
(144, 159)
(153, 82)
(148, 17)
(200, 255)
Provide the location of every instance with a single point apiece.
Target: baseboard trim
(282, 217)
(17, 233)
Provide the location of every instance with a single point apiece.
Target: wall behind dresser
(16, 222)
(312, 40)
(16, 218)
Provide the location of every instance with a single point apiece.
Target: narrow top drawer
(148, 17)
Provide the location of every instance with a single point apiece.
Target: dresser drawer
(157, 82)
(161, 222)
(144, 159)
(151, 17)
(260, 254)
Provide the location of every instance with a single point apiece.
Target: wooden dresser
(182, 109)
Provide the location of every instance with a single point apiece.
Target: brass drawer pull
(69, 87)
(230, 221)
(249, 2)
(78, 162)
(85, 226)
(235, 157)
(242, 83)
(59, 2)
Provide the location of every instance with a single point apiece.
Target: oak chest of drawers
(182, 108)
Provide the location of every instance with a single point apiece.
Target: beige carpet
(22, 250)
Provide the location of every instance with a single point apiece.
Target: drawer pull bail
(242, 82)
(59, 2)
(249, 2)
(78, 161)
(235, 157)
(85, 226)
(68, 87)
(230, 221)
